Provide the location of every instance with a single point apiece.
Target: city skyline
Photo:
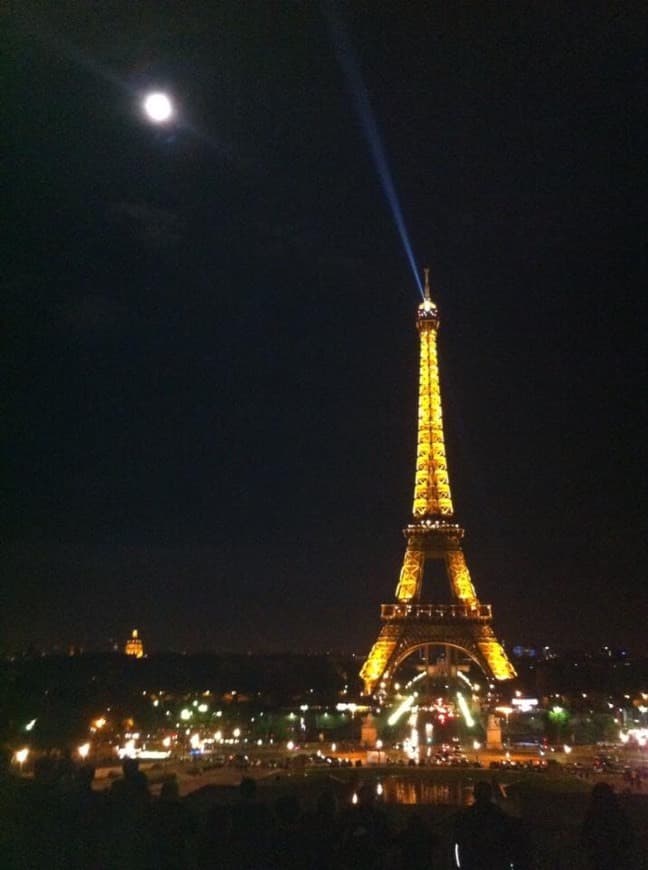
(212, 357)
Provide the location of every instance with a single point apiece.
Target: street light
(21, 757)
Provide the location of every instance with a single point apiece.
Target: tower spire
(426, 289)
(432, 496)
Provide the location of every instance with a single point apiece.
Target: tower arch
(410, 650)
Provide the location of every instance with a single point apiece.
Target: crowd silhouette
(56, 820)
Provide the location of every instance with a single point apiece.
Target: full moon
(158, 107)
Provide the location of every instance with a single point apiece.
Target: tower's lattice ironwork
(407, 624)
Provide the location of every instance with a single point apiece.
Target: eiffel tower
(465, 625)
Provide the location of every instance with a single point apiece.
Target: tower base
(408, 627)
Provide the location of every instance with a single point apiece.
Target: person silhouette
(415, 844)
(84, 820)
(130, 818)
(486, 838)
(606, 835)
(172, 827)
(365, 832)
(323, 833)
(249, 831)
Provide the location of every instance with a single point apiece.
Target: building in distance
(134, 645)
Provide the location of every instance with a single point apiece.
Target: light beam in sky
(346, 57)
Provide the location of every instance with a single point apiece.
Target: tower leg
(377, 662)
(411, 575)
(460, 582)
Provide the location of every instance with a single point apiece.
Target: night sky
(210, 368)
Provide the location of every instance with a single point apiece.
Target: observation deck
(439, 614)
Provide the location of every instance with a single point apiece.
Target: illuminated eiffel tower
(408, 624)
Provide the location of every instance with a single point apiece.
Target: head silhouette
(248, 788)
(84, 775)
(603, 799)
(483, 793)
(327, 803)
(366, 796)
(130, 767)
(169, 790)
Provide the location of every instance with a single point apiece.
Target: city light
(21, 756)
(84, 750)
(128, 750)
(638, 735)
(401, 709)
(525, 705)
(465, 712)
(505, 711)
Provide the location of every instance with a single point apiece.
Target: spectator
(365, 833)
(323, 833)
(486, 838)
(606, 836)
(130, 819)
(415, 844)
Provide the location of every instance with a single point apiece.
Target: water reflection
(417, 790)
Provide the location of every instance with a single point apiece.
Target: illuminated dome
(134, 646)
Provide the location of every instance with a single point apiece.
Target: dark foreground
(58, 821)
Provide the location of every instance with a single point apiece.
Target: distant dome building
(134, 646)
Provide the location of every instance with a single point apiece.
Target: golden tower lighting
(408, 623)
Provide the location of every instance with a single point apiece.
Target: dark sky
(211, 362)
